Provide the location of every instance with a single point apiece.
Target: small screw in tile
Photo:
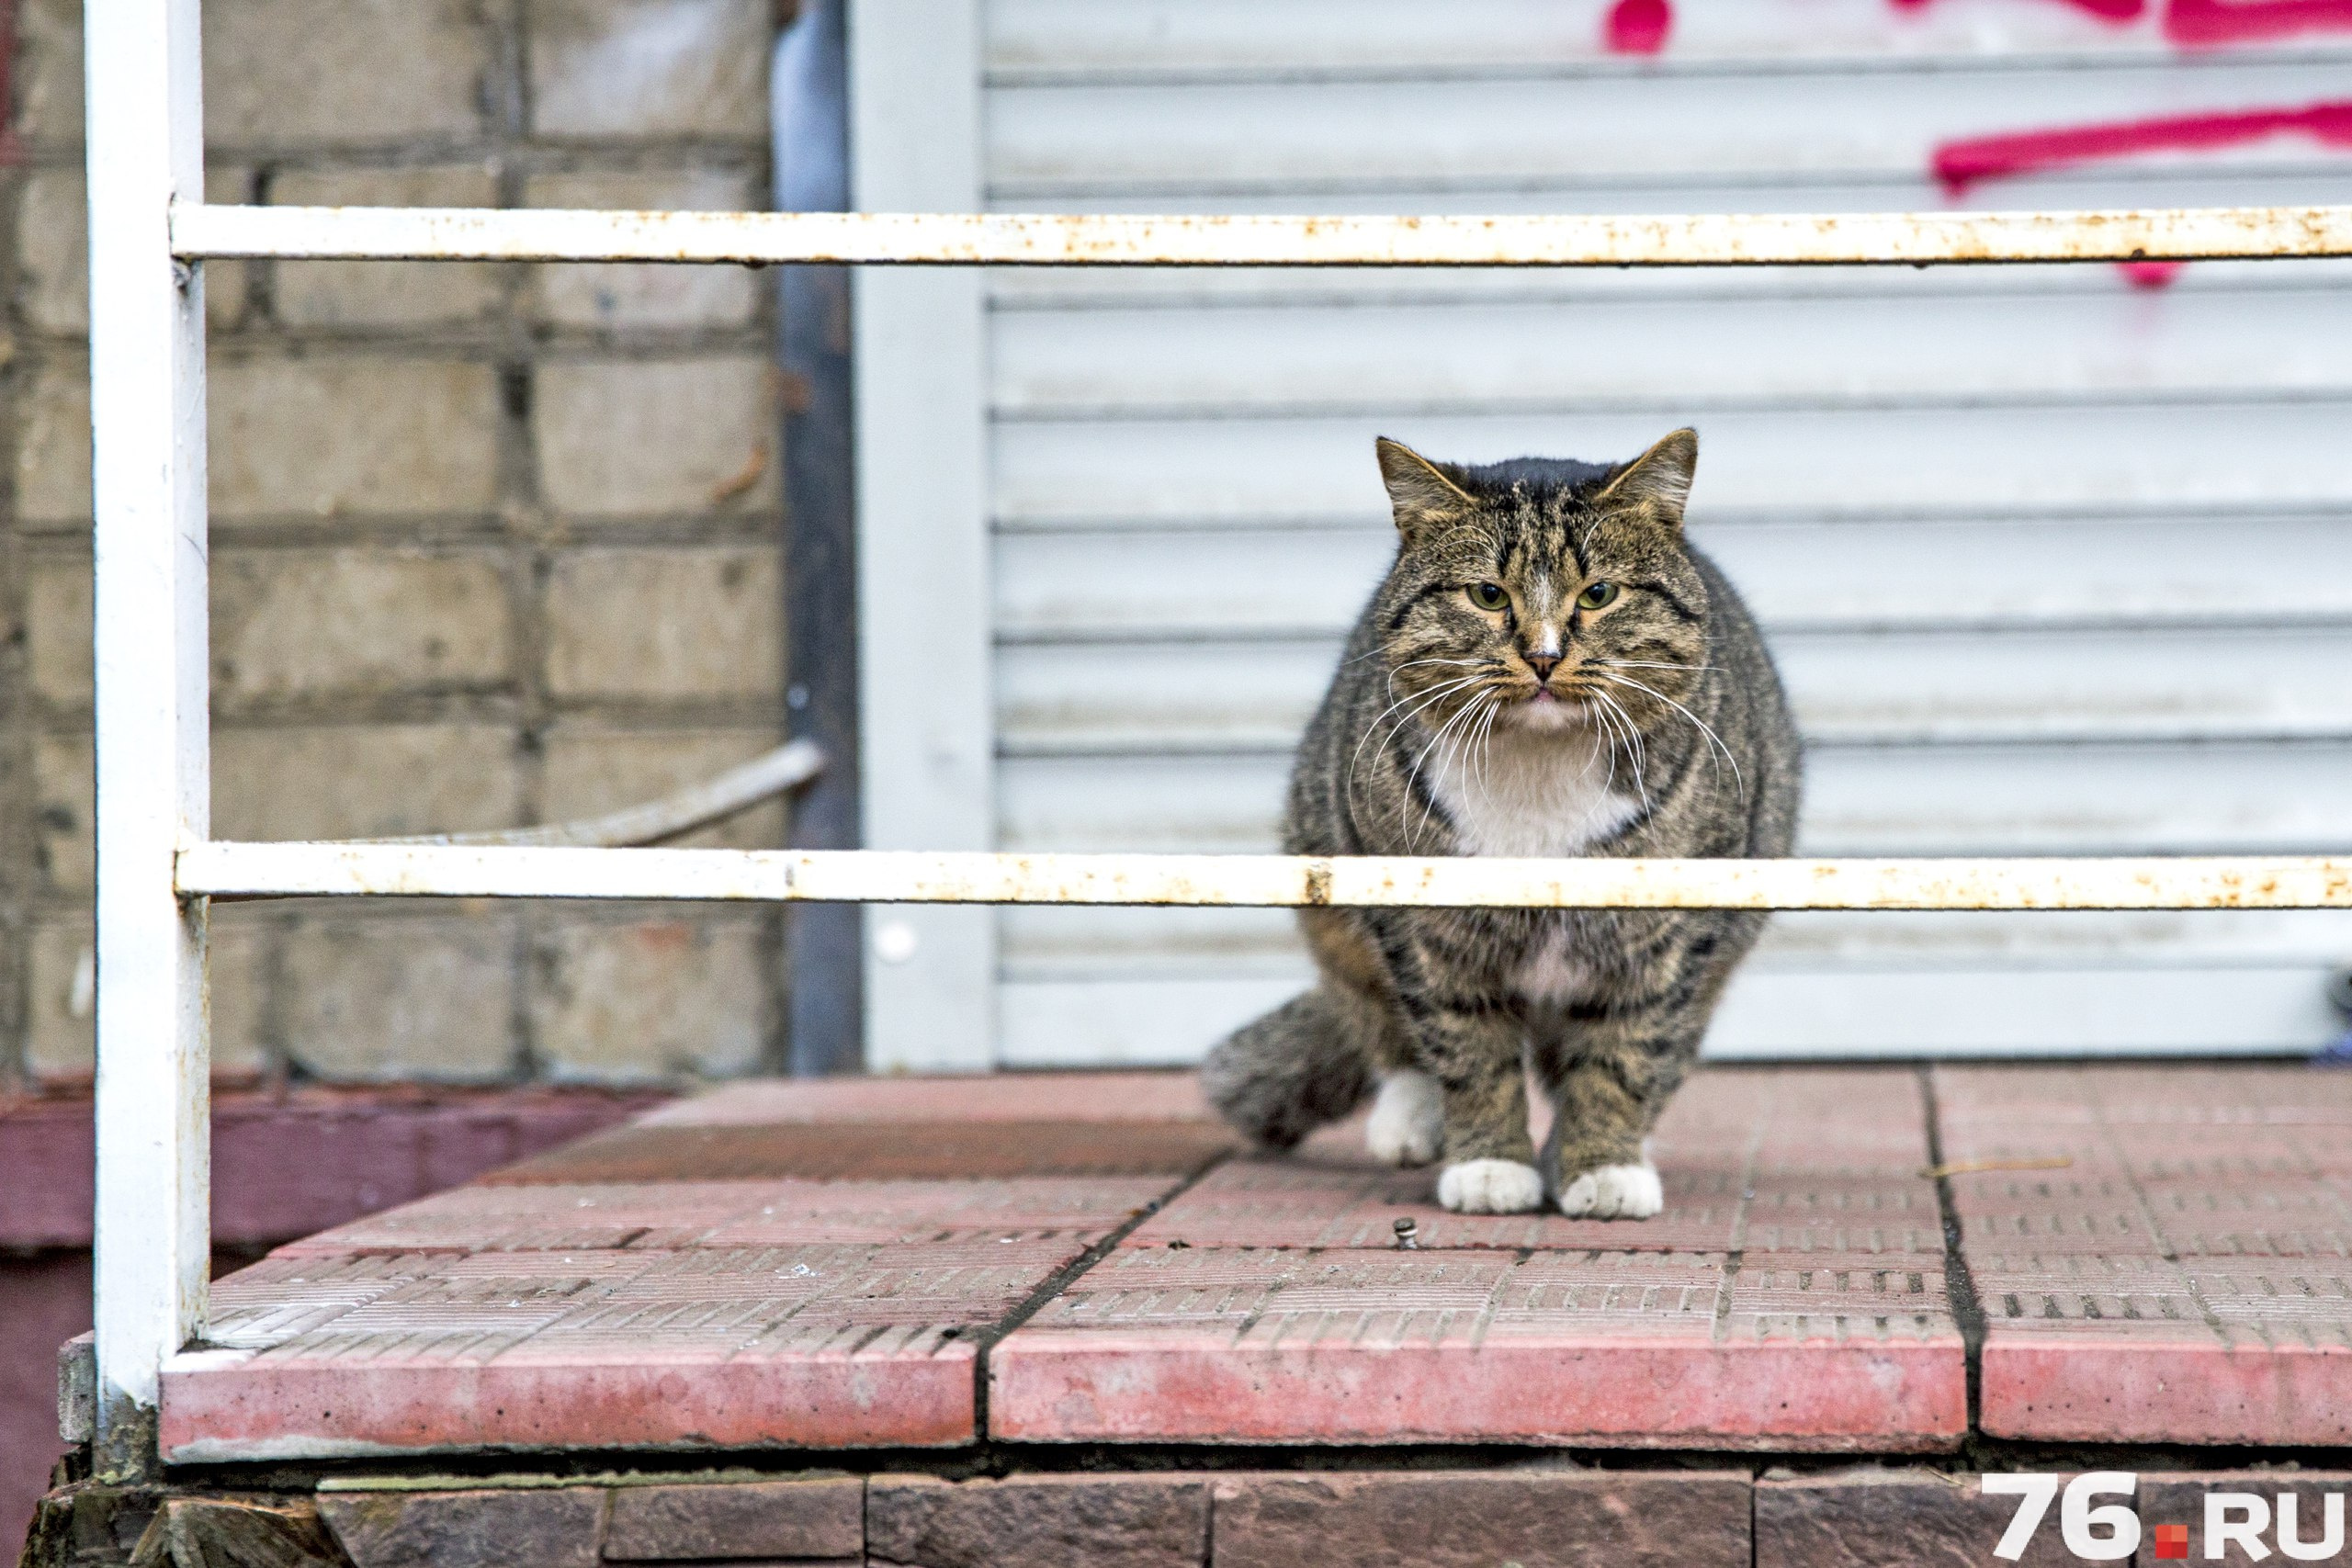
(1408, 1234)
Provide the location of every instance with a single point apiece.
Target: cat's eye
(1597, 596)
(1488, 595)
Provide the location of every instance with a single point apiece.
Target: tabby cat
(1550, 669)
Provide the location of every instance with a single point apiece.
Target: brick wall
(490, 546)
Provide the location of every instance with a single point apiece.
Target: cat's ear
(1422, 492)
(1660, 478)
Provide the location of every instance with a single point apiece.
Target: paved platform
(2140, 1254)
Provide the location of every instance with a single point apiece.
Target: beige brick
(361, 781)
(299, 782)
(664, 623)
(614, 297)
(60, 1032)
(53, 251)
(60, 1041)
(630, 68)
(236, 977)
(47, 71)
(385, 294)
(622, 438)
(660, 997)
(590, 771)
(57, 629)
(66, 788)
(355, 623)
(329, 436)
(53, 446)
(357, 71)
(402, 997)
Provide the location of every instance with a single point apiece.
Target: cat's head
(1559, 595)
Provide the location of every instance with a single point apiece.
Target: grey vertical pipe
(810, 117)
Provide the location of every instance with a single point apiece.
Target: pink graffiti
(2106, 10)
(1638, 27)
(2213, 24)
(1961, 165)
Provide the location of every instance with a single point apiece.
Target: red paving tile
(816, 1345)
(1737, 1152)
(545, 1219)
(993, 1096)
(1790, 1295)
(1283, 1203)
(2184, 1279)
(1351, 1347)
(880, 1150)
(570, 1217)
(633, 1315)
(1008, 1124)
(1085, 1208)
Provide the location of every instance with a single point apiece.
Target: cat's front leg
(1605, 1104)
(1473, 1055)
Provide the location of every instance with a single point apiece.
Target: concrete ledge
(1532, 1387)
(1039, 1521)
(1547, 1513)
(1399, 1519)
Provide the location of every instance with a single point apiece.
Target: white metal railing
(158, 867)
(226, 870)
(1907, 239)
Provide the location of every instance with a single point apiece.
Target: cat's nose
(1543, 664)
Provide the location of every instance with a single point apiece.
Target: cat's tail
(1280, 1077)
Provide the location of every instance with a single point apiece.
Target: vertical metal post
(927, 714)
(823, 943)
(145, 141)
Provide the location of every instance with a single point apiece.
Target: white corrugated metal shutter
(2053, 560)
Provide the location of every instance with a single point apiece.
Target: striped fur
(1661, 730)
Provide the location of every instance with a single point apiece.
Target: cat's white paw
(1407, 1124)
(1490, 1186)
(1615, 1193)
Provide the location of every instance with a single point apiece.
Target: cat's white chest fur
(1534, 793)
(1538, 794)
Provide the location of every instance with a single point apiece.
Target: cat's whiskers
(1418, 700)
(1411, 663)
(1449, 743)
(1636, 751)
(1605, 733)
(1413, 701)
(1486, 744)
(1413, 773)
(1703, 725)
(1474, 751)
(1616, 731)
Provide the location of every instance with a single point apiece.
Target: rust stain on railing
(1117, 239)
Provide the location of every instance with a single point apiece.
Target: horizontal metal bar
(1050, 240)
(224, 870)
